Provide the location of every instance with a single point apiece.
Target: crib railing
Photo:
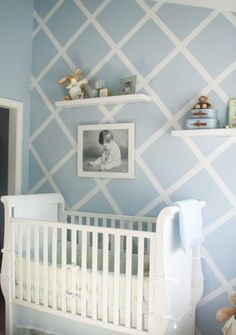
(83, 268)
(113, 221)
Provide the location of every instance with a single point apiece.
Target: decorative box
(203, 123)
(203, 113)
(93, 93)
(99, 84)
(105, 92)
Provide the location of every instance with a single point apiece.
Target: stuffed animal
(228, 315)
(73, 85)
(202, 103)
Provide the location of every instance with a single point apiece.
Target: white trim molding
(225, 5)
(15, 144)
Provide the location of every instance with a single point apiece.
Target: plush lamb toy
(73, 85)
(228, 314)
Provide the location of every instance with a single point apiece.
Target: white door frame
(15, 144)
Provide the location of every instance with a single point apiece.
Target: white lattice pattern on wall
(204, 162)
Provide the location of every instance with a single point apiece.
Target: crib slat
(28, 274)
(20, 262)
(45, 266)
(104, 222)
(149, 241)
(54, 268)
(13, 259)
(73, 270)
(94, 275)
(95, 222)
(84, 274)
(117, 280)
(63, 269)
(69, 232)
(140, 283)
(80, 223)
(105, 278)
(140, 226)
(122, 248)
(72, 219)
(36, 264)
(128, 281)
(88, 223)
(151, 281)
(113, 225)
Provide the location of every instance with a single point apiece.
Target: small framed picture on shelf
(232, 113)
(127, 85)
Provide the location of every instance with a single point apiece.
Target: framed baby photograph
(106, 150)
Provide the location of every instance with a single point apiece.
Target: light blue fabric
(190, 221)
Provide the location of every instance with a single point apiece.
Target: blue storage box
(203, 123)
(203, 113)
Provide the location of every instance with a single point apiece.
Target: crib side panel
(178, 269)
(44, 206)
(173, 296)
(65, 288)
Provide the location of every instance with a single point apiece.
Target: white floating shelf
(112, 100)
(204, 132)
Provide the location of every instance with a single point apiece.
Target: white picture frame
(106, 150)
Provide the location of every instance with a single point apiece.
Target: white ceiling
(219, 4)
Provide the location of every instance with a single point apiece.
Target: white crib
(84, 273)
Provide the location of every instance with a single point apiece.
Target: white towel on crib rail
(230, 326)
(190, 221)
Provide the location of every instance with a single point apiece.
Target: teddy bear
(73, 85)
(228, 315)
(202, 103)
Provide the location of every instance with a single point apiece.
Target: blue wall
(179, 52)
(15, 65)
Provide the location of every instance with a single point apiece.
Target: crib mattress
(72, 272)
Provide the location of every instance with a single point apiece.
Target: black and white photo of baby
(105, 150)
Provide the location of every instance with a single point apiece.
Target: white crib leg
(6, 283)
(6, 274)
(9, 315)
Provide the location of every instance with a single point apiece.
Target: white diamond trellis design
(61, 29)
(147, 45)
(218, 40)
(146, 58)
(88, 55)
(120, 24)
(175, 17)
(41, 59)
